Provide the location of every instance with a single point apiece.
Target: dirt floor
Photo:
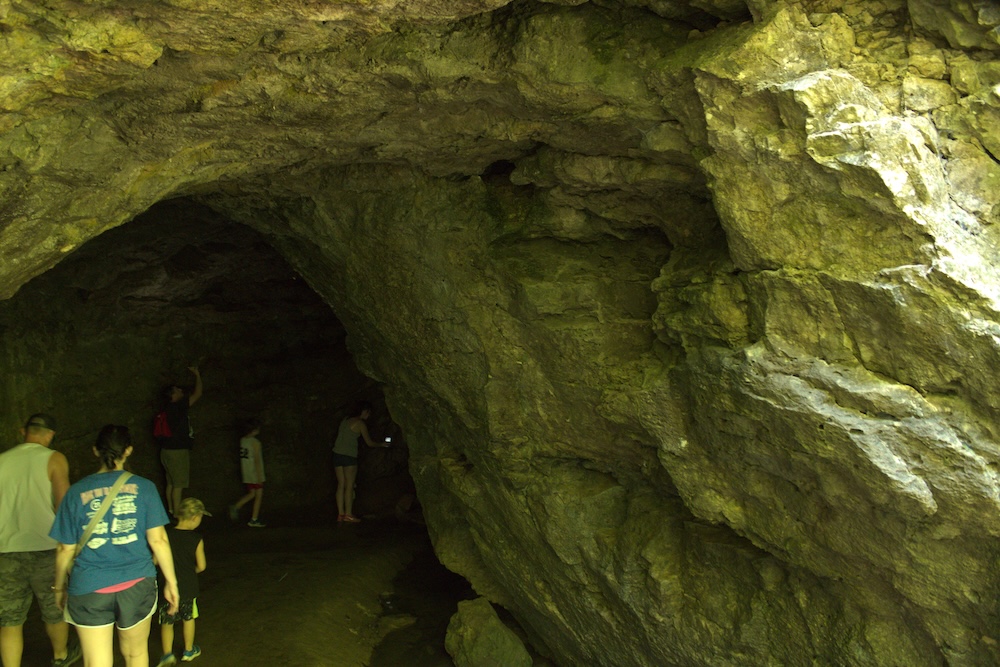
(313, 593)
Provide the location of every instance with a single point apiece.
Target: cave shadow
(124, 316)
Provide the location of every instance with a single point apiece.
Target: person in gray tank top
(33, 480)
(345, 457)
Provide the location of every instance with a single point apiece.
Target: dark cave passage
(124, 316)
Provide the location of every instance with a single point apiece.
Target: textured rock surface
(478, 638)
(688, 309)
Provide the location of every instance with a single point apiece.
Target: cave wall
(553, 467)
(97, 339)
(688, 310)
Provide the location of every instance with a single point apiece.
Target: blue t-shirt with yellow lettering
(117, 550)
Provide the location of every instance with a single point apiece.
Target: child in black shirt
(189, 559)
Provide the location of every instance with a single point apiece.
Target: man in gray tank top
(33, 481)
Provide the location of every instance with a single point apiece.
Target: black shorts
(126, 608)
(344, 461)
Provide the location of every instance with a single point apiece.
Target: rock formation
(688, 309)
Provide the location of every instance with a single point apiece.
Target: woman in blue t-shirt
(113, 580)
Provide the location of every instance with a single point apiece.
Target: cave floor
(308, 592)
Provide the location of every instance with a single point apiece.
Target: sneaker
(192, 654)
(73, 653)
(234, 514)
(168, 659)
(254, 523)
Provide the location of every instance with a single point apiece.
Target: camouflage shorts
(21, 575)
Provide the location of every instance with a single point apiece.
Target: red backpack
(161, 427)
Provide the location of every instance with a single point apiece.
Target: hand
(172, 596)
(61, 595)
(193, 369)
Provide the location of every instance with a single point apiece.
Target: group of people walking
(89, 552)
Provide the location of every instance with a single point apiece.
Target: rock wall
(688, 311)
(98, 338)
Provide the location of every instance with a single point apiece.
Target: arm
(363, 430)
(199, 557)
(64, 556)
(58, 477)
(196, 394)
(159, 544)
(258, 461)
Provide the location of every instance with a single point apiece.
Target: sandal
(350, 518)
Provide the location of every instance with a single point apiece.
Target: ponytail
(111, 444)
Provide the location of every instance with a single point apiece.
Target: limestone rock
(688, 310)
(923, 95)
(478, 638)
(965, 23)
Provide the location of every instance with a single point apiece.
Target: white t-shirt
(249, 453)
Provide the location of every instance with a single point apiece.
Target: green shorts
(24, 574)
(177, 464)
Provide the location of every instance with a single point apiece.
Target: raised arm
(159, 544)
(196, 394)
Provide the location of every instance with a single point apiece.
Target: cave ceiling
(152, 101)
(688, 309)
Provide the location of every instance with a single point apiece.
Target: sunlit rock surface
(688, 310)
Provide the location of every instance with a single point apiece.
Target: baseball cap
(41, 420)
(190, 508)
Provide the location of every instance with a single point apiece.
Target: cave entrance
(97, 338)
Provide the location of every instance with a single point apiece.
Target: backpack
(161, 427)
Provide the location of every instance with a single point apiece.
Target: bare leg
(189, 635)
(245, 499)
(58, 636)
(98, 646)
(135, 644)
(258, 497)
(167, 637)
(350, 473)
(341, 484)
(11, 645)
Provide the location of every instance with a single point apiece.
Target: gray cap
(41, 420)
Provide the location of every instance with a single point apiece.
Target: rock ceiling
(689, 310)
